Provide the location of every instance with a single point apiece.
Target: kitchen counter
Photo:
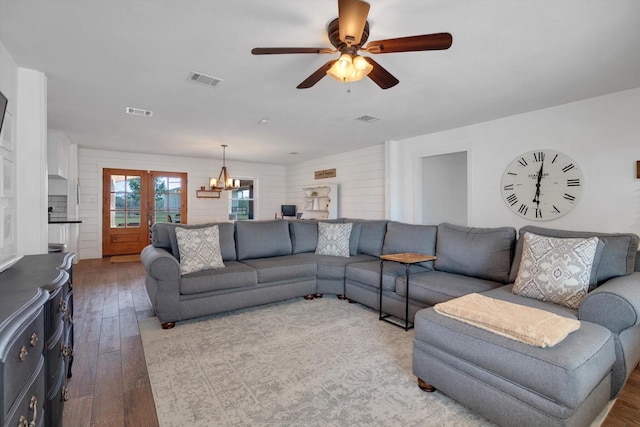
(65, 221)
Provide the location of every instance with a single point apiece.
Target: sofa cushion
(225, 233)
(200, 249)
(368, 273)
(401, 238)
(432, 287)
(484, 253)
(371, 237)
(234, 275)
(262, 239)
(283, 268)
(555, 269)
(333, 239)
(304, 236)
(618, 254)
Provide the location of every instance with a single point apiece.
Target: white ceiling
(507, 57)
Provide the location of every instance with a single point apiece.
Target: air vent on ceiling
(138, 112)
(203, 79)
(367, 119)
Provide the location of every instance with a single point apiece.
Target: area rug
(126, 258)
(296, 363)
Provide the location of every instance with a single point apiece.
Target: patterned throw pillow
(555, 270)
(199, 249)
(333, 239)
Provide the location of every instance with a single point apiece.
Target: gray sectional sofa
(509, 382)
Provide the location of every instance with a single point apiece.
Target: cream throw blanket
(525, 324)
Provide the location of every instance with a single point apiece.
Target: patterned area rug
(297, 363)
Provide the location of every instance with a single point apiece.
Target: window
(242, 201)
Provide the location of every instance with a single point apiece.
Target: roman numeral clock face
(542, 185)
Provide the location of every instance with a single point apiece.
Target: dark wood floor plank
(77, 411)
(110, 335)
(139, 408)
(134, 367)
(108, 405)
(110, 384)
(85, 365)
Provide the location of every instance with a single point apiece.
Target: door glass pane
(125, 201)
(167, 199)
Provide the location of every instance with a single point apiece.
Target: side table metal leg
(406, 300)
(380, 302)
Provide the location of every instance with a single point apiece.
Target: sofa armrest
(615, 304)
(160, 264)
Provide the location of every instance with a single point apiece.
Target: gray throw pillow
(199, 249)
(555, 270)
(333, 239)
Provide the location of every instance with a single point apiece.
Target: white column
(31, 155)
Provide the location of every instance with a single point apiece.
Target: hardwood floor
(110, 385)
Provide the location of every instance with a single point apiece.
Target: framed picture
(6, 178)
(6, 138)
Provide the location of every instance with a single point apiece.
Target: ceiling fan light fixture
(349, 69)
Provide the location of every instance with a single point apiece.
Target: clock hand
(536, 198)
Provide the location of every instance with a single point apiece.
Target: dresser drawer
(55, 354)
(22, 357)
(31, 400)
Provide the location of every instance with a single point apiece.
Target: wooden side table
(407, 258)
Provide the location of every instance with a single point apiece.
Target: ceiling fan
(348, 33)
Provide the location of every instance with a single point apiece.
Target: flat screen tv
(3, 108)
(288, 210)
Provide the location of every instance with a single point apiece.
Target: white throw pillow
(333, 239)
(199, 249)
(554, 269)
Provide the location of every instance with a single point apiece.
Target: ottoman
(512, 383)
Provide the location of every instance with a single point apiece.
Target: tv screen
(3, 108)
(288, 210)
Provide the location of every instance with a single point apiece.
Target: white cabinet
(59, 233)
(320, 202)
(57, 154)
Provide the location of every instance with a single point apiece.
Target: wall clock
(542, 185)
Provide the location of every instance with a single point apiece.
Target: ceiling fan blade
(352, 17)
(281, 50)
(316, 76)
(438, 41)
(380, 76)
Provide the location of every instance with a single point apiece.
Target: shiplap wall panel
(360, 176)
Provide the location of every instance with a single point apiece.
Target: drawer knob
(65, 350)
(33, 405)
(23, 353)
(34, 339)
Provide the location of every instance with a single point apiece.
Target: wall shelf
(207, 194)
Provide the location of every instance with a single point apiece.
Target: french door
(132, 200)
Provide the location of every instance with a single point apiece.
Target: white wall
(360, 176)
(602, 134)
(269, 180)
(8, 205)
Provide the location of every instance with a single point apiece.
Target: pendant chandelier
(224, 181)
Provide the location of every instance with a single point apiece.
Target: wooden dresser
(36, 339)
